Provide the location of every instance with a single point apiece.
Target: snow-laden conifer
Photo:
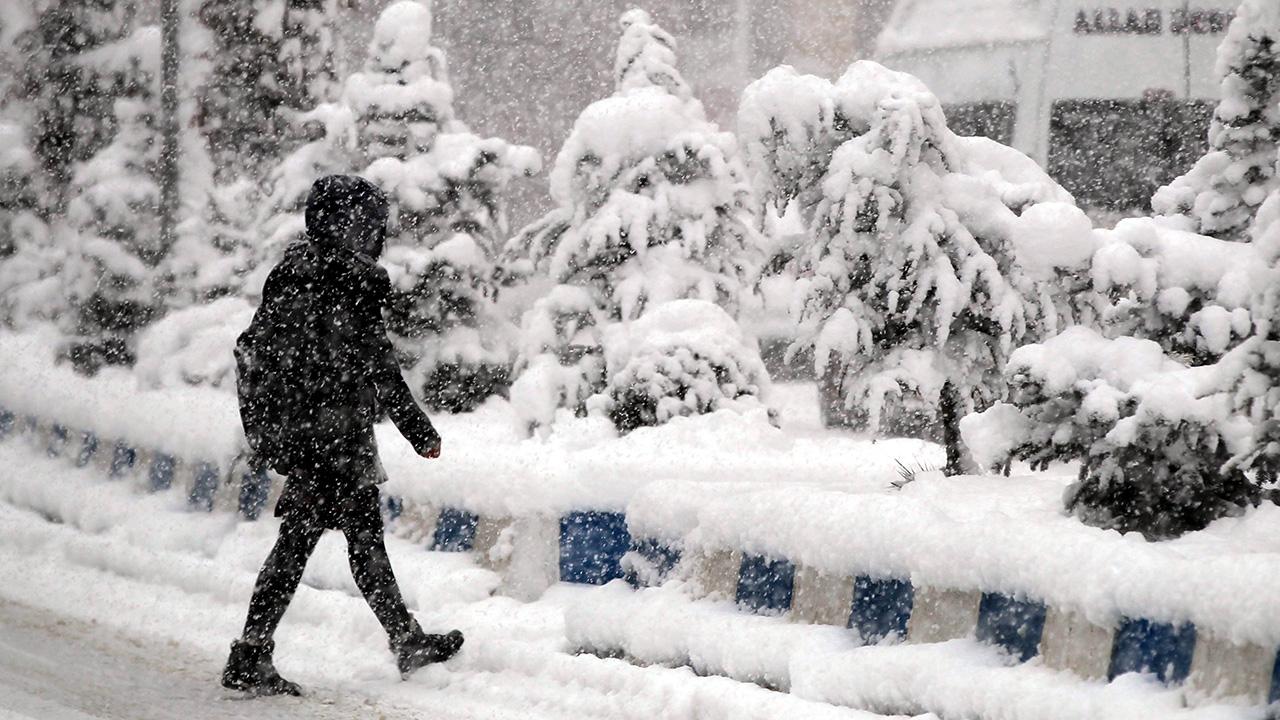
(1221, 193)
(920, 281)
(653, 206)
(446, 187)
(110, 277)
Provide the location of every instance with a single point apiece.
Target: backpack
(259, 393)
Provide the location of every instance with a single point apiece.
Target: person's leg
(371, 566)
(279, 577)
(250, 667)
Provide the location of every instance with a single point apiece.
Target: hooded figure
(315, 370)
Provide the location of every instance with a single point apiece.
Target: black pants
(361, 522)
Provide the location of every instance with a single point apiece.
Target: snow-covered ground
(117, 605)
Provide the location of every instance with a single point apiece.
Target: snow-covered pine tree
(72, 99)
(17, 195)
(1251, 372)
(653, 206)
(920, 284)
(242, 94)
(446, 187)
(307, 67)
(329, 131)
(1221, 193)
(271, 66)
(109, 278)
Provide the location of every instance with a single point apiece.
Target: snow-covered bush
(560, 357)
(920, 282)
(1222, 192)
(653, 206)
(1153, 437)
(193, 346)
(683, 357)
(446, 186)
(1190, 293)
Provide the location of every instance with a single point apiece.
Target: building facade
(1114, 99)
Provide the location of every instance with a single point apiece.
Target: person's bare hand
(433, 453)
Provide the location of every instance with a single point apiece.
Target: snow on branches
(917, 290)
(1153, 437)
(1221, 193)
(445, 185)
(653, 204)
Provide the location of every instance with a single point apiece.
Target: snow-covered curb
(991, 557)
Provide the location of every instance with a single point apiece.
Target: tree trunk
(950, 411)
(169, 21)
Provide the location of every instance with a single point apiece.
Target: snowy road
(115, 604)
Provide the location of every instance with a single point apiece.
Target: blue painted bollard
(203, 486)
(1162, 649)
(1013, 625)
(122, 460)
(392, 506)
(255, 487)
(881, 608)
(58, 435)
(88, 446)
(653, 561)
(765, 585)
(592, 545)
(160, 477)
(455, 531)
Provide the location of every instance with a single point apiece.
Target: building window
(991, 119)
(1114, 154)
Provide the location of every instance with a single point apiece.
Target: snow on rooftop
(922, 25)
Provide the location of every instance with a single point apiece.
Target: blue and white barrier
(595, 547)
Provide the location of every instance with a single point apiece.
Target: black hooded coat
(316, 366)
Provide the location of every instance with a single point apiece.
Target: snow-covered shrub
(1152, 436)
(1221, 193)
(653, 205)
(920, 284)
(683, 357)
(561, 363)
(193, 346)
(1190, 293)
(446, 186)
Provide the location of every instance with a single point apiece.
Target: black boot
(416, 649)
(249, 669)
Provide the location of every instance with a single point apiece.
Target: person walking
(314, 371)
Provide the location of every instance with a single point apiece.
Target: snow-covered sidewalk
(116, 605)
